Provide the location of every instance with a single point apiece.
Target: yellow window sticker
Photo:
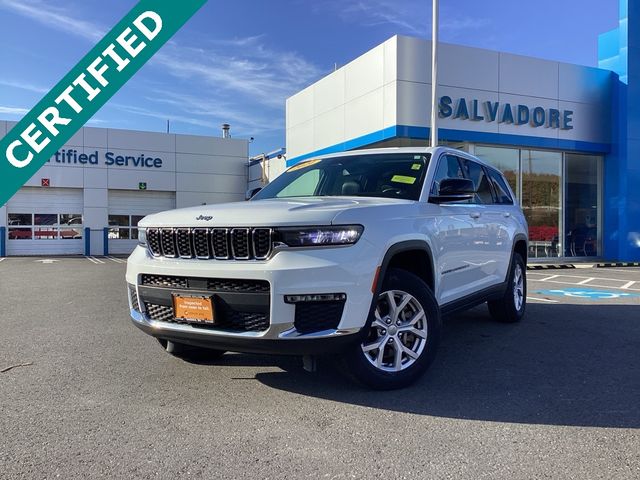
(305, 164)
(416, 166)
(403, 179)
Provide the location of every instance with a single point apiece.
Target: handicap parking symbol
(588, 293)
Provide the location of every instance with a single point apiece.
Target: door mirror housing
(454, 190)
(251, 193)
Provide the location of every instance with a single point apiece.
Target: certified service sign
(87, 87)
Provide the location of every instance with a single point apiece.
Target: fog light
(316, 297)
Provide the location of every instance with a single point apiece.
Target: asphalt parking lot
(556, 396)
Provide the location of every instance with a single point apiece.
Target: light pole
(434, 76)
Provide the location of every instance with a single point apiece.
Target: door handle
(506, 214)
(475, 215)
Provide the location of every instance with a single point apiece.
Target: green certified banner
(87, 87)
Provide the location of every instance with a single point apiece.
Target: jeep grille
(207, 243)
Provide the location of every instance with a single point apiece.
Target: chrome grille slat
(201, 244)
(168, 242)
(220, 243)
(153, 240)
(240, 248)
(262, 240)
(183, 243)
(239, 243)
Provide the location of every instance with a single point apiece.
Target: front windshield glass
(390, 175)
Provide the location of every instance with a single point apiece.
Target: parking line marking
(597, 278)
(94, 260)
(116, 260)
(621, 270)
(548, 278)
(592, 285)
(542, 300)
(585, 281)
(2, 259)
(628, 284)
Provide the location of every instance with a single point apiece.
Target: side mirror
(251, 193)
(454, 190)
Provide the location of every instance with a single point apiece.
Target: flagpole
(434, 76)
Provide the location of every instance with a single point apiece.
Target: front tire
(511, 307)
(402, 337)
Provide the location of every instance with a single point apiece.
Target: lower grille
(164, 281)
(161, 313)
(226, 318)
(212, 284)
(313, 317)
(134, 298)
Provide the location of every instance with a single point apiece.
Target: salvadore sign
(488, 111)
(87, 87)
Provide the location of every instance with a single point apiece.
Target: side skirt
(495, 292)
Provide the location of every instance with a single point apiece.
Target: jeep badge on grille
(204, 217)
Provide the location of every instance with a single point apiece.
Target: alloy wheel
(398, 334)
(518, 288)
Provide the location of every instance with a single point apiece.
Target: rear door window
(476, 173)
(503, 197)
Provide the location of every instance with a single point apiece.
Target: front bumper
(310, 344)
(294, 272)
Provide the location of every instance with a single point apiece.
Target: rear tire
(511, 307)
(182, 350)
(402, 335)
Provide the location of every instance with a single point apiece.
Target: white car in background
(356, 254)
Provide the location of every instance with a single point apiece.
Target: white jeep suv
(356, 254)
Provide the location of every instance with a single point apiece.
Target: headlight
(319, 236)
(142, 236)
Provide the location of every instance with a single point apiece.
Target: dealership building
(566, 136)
(89, 197)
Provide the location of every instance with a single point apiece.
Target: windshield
(390, 175)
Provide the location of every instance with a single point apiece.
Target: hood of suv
(269, 213)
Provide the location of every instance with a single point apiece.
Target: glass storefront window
(507, 160)
(20, 219)
(71, 226)
(45, 233)
(45, 219)
(119, 220)
(541, 201)
(127, 227)
(20, 234)
(70, 219)
(134, 223)
(45, 226)
(581, 205)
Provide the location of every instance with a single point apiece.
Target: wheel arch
(520, 245)
(401, 250)
(403, 255)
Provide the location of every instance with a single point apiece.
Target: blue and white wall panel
(390, 87)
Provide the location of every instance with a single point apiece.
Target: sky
(237, 61)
